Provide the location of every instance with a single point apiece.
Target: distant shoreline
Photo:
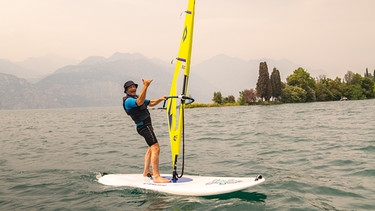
(208, 105)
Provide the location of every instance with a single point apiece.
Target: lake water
(314, 156)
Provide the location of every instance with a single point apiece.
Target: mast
(178, 93)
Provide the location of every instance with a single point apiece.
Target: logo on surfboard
(223, 182)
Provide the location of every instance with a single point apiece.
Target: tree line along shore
(300, 87)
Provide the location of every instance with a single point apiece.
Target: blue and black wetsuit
(142, 118)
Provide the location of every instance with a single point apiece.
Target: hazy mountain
(37, 68)
(16, 93)
(98, 81)
(93, 60)
(7, 67)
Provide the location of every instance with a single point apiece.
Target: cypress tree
(276, 83)
(262, 86)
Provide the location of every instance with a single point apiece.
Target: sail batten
(181, 59)
(179, 85)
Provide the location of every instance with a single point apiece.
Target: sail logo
(184, 35)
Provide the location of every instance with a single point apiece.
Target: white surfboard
(187, 185)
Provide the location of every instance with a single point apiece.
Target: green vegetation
(300, 87)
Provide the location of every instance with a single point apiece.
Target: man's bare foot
(160, 179)
(147, 174)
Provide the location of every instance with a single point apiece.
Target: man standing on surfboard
(136, 107)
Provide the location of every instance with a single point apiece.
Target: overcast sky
(331, 35)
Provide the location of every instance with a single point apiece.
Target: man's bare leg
(155, 151)
(146, 170)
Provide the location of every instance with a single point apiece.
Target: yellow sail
(179, 87)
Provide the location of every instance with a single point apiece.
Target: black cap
(129, 83)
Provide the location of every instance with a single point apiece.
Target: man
(136, 107)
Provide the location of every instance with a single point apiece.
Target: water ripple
(316, 156)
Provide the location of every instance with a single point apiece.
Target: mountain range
(98, 81)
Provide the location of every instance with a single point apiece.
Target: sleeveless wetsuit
(141, 117)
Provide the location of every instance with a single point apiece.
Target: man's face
(131, 90)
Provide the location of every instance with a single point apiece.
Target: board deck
(187, 185)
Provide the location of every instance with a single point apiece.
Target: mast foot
(174, 177)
